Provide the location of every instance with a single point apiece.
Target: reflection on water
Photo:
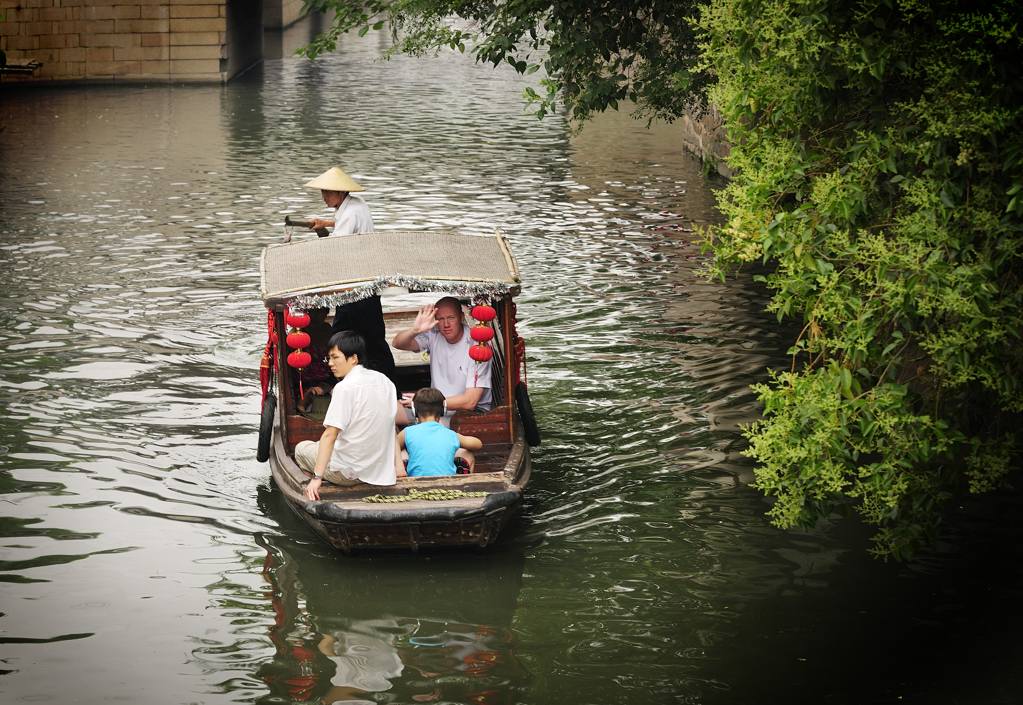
(145, 557)
(421, 629)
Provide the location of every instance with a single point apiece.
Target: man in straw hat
(351, 214)
(365, 317)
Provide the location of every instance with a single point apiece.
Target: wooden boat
(326, 272)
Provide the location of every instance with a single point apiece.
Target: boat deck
(488, 480)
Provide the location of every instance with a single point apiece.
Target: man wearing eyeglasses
(358, 440)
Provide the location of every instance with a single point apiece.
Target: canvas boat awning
(333, 270)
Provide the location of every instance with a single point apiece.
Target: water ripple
(642, 570)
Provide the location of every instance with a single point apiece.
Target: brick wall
(123, 40)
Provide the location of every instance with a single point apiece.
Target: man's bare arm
(323, 453)
(426, 319)
(319, 223)
(467, 400)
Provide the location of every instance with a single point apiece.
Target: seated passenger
(317, 379)
(358, 443)
(440, 330)
(432, 448)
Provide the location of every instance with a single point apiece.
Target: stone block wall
(278, 14)
(128, 40)
(705, 137)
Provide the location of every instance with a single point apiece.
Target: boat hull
(349, 524)
(412, 533)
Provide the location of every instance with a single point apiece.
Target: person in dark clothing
(366, 317)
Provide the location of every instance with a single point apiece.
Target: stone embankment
(705, 137)
(138, 40)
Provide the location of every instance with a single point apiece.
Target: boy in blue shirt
(431, 446)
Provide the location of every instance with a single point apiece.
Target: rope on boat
(434, 494)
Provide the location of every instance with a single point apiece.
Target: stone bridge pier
(115, 41)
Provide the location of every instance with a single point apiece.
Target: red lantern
(300, 359)
(298, 339)
(484, 313)
(480, 353)
(297, 319)
(481, 334)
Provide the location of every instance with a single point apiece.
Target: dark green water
(146, 556)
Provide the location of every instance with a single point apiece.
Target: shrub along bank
(878, 157)
(878, 149)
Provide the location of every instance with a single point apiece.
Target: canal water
(147, 557)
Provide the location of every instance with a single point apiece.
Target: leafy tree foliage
(593, 54)
(879, 152)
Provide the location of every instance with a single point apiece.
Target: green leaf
(846, 381)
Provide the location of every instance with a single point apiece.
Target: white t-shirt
(452, 371)
(352, 216)
(363, 405)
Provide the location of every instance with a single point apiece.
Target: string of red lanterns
(482, 333)
(298, 339)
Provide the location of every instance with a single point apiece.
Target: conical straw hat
(333, 179)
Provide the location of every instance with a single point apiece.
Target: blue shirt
(431, 449)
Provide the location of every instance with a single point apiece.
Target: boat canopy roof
(334, 270)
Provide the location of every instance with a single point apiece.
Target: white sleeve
(339, 413)
(345, 220)
(352, 216)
